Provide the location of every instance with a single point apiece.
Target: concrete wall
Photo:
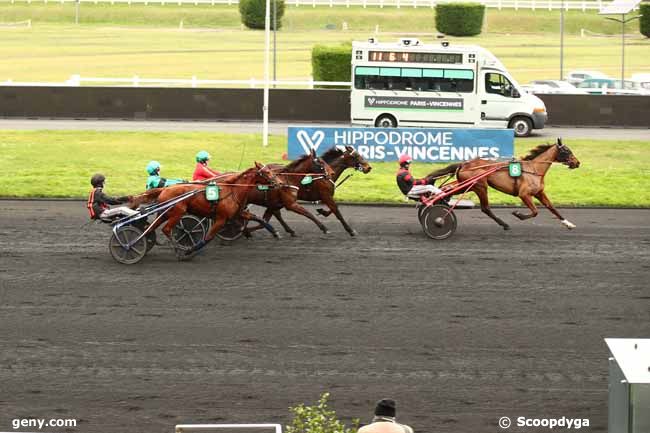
(285, 105)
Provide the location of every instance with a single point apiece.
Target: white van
(408, 83)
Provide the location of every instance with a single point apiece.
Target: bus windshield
(414, 79)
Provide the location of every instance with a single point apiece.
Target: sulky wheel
(188, 232)
(438, 221)
(127, 245)
(151, 240)
(233, 229)
(421, 208)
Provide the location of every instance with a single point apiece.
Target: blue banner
(422, 144)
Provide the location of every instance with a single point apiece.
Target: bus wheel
(522, 126)
(386, 121)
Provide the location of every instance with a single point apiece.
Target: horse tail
(148, 196)
(453, 168)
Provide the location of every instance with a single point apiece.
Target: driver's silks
(212, 192)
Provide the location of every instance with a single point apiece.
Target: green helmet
(202, 156)
(153, 167)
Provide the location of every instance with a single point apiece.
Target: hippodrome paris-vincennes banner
(422, 144)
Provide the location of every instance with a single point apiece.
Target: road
(279, 128)
(461, 332)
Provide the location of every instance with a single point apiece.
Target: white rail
(180, 428)
(137, 81)
(582, 5)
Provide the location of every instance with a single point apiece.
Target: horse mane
(537, 151)
(331, 154)
(293, 164)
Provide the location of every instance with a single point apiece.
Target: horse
(287, 195)
(534, 167)
(323, 189)
(234, 190)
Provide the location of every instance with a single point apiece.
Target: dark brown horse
(530, 184)
(287, 195)
(323, 189)
(234, 190)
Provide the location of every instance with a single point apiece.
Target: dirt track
(460, 332)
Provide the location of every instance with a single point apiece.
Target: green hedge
(331, 62)
(460, 19)
(253, 13)
(644, 21)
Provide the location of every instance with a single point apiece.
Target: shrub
(644, 21)
(317, 419)
(253, 13)
(331, 62)
(460, 19)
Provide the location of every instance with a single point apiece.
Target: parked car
(610, 86)
(556, 86)
(577, 77)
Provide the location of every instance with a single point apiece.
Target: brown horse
(530, 184)
(234, 190)
(323, 189)
(287, 195)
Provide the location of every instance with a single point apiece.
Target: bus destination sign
(411, 57)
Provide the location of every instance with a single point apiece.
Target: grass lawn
(60, 163)
(122, 41)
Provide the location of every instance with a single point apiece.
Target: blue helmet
(153, 167)
(202, 156)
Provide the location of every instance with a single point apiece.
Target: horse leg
(278, 216)
(252, 217)
(267, 216)
(481, 191)
(528, 201)
(542, 197)
(324, 212)
(295, 207)
(328, 200)
(217, 225)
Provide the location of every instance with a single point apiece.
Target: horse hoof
(293, 234)
(568, 224)
(353, 232)
(506, 227)
(320, 211)
(326, 232)
(277, 235)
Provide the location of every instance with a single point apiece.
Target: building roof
(632, 356)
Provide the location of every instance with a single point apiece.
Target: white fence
(136, 81)
(582, 5)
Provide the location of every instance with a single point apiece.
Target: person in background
(384, 420)
(98, 201)
(155, 180)
(202, 171)
(408, 184)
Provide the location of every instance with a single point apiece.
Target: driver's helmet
(202, 156)
(97, 180)
(153, 167)
(405, 160)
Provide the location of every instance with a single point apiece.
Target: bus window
(497, 83)
(414, 79)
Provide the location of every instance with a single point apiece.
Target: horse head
(354, 159)
(265, 174)
(565, 155)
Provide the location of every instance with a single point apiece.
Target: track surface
(461, 332)
(280, 128)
